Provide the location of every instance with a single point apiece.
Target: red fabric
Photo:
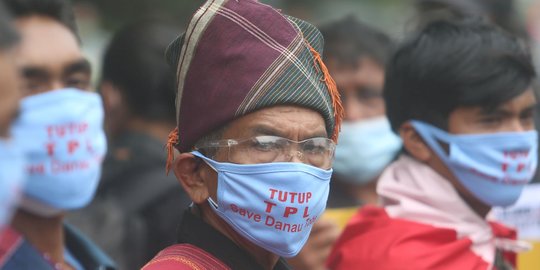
(184, 257)
(10, 240)
(373, 240)
(504, 232)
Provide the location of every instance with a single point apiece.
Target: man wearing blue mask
(356, 55)
(258, 116)
(11, 157)
(60, 130)
(460, 96)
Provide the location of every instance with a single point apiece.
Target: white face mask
(365, 148)
(61, 133)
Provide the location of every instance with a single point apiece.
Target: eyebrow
(502, 111)
(368, 91)
(529, 109)
(81, 65)
(35, 73)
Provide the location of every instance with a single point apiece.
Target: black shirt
(193, 230)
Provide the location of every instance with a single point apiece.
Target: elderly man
(258, 116)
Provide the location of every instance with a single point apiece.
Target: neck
(478, 207)
(46, 234)
(265, 258)
(159, 130)
(367, 193)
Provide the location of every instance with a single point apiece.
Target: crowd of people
(257, 140)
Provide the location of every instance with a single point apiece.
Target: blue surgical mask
(11, 178)
(273, 205)
(494, 167)
(62, 135)
(365, 148)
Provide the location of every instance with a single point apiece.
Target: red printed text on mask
(282, 210)
(66, 149)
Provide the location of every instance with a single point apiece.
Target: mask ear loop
(430, 136)
(205, 159)
(212, 203)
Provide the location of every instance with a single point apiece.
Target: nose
(57, 84)
(295, 156)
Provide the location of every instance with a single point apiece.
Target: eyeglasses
(318, 152)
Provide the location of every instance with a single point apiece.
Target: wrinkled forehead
(287, 121)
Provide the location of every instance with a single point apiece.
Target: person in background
(356, 55)
(135, 212)
(258, 117)
(523, 216)
(460, 95)
(60, 130)
(11, 156)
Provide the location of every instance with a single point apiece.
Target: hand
(318, 247)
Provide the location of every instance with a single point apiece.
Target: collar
(16, 251)
(195, 231)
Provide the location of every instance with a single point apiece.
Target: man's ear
(414, 144)
(187, 169)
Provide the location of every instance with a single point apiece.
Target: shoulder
(10, 242)
(374, 240)
(184, 257)
(85, 251)
(17, 253)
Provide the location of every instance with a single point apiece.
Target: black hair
(454, 64)
(348, 40)
(58, 10)
(8, 35)
(134, 62)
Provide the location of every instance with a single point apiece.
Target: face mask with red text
(61, 134)
(273, 205)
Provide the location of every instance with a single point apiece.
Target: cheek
(9, 103)
(8, 109)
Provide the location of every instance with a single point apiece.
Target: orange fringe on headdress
(334, 93)
(171, 142)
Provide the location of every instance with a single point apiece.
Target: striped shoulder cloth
(185, 257)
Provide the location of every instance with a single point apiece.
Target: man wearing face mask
(258, 117)
(356, 55)
(60, 130)
(460, 96)
(11, 157)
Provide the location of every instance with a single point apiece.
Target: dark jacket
(16, 253)
(136, 210)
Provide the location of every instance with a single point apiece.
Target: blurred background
(97, 19)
